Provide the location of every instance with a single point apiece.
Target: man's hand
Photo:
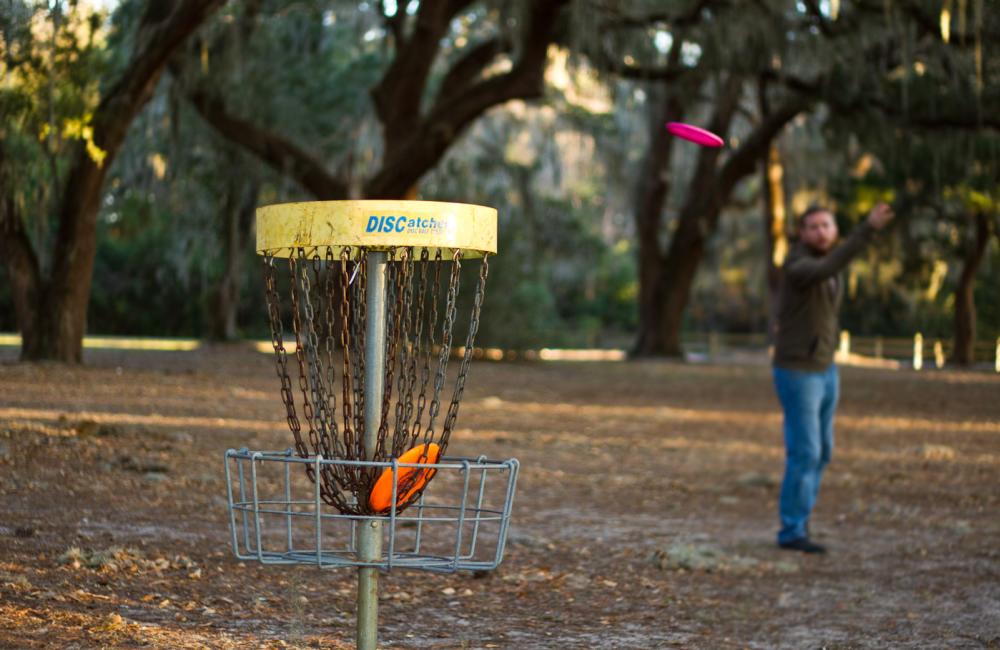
(880, 216)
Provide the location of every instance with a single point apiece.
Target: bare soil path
(645, 514)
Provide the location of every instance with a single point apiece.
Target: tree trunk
(21, 265)
(665, 294)
(964, 353)
(63, 313)
(652, 190)
(695, 224)
(240, 206)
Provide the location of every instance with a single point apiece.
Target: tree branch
(395, 22)
(470, 66)
(722, 117)
(155, 43)
(421, 147)
(23, 270)
(688, 18)
(277, 151)
(524, 80)
(821, 22)
(681, 24)
(397, 96)
(815, 89)
(743, 161)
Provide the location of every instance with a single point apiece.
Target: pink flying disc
(694, 134)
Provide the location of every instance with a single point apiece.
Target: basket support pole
(370, 535)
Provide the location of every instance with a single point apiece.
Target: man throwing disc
(805, 377)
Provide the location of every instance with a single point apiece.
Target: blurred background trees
(136, 138)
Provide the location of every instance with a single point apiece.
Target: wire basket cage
(460, 523)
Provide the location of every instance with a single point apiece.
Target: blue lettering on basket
(405, 224)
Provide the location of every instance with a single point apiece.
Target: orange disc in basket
(381, 496)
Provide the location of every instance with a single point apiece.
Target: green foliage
(52, 63)
(304, 69)
(936, 182)
(138, 287)
(562, 174)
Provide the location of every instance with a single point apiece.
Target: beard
(822, 246)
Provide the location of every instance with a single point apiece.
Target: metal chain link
(412, 326)
(335, 479)
(307, 411)
(425, 372)
(398, 302)
(297, 262)
(470, 339)
(358, 319)
(446, 338)
(348, 377)
(330, 297)
(447, 329)
(280, 354)
(392, 326)
(407, 360)
(317, 388)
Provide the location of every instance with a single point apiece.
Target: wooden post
(845, 345)
(918, 351)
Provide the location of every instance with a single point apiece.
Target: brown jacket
(807, 327)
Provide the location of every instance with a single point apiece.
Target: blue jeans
(808, 400)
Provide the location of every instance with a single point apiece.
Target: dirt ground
(645, 514)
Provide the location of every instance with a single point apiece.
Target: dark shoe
(803, 544)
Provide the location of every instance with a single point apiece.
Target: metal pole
(370, 536)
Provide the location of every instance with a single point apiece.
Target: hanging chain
(391, 317)
(281, 355)
(463, 372)
(300, 354)
(446, 338)
(398, 301)
(418, 351)
(350, 435)
(358, 319)
(412, 343)
(317, 389)
(426, 353)
(330, 297)
(408, 356)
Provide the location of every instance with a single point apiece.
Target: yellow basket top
(376, 224)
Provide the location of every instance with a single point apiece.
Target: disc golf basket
(363, 299)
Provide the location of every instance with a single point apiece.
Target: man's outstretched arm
(807, 270)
